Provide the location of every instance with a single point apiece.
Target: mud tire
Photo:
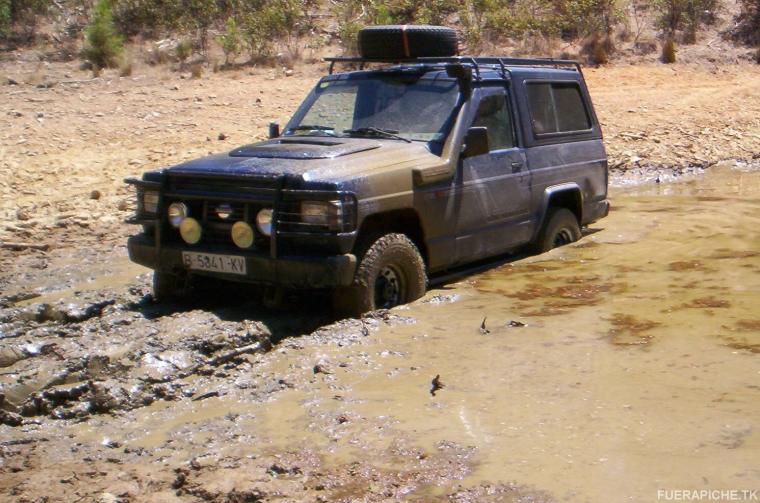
(167, 287)
(387, 42)
(561, 228)
(390, 272)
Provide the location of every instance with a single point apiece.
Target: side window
(557, 107)
(493, 114)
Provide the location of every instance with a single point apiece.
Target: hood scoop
(303, 148)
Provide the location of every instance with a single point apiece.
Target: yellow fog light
(190, 230)
(242, 235)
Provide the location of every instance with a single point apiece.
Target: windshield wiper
(373, 131)
(311, 128)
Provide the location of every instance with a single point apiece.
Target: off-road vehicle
(415, 163)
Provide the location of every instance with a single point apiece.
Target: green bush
(230, 40)
(687, 16)
(103, 45)
(183, 50)
(18, 18)
(748, 22)
(276, 20)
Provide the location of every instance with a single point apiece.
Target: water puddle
(619, 366)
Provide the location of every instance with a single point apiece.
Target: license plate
(229, 264)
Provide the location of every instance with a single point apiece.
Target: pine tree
(103, 44)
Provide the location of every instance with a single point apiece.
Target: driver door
(493, 188)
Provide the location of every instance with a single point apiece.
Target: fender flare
(552, 191)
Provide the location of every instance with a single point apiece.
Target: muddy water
(637, 368)
(604, 371)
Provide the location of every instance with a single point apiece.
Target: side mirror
(476, 142)
(274, 130)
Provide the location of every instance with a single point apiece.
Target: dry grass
(126, 68)
(196, 70)
(669, 52)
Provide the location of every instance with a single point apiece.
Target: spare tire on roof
(407, 41)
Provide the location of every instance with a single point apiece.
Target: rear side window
(557, 107)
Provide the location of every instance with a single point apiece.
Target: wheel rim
(563, 237)
(389, 288)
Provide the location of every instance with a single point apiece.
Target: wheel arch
(403, 221)
(565, 195)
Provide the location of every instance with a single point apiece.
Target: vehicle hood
(313, 158)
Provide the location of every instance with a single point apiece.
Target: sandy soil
(97, 406)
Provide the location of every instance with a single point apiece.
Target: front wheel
(561, 228)
(391, 272)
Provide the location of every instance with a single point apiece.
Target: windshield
(389, 106)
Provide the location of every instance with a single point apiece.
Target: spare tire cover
(407, 41)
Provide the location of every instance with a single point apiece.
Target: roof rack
(475, 62)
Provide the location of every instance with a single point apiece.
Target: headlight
(335, 215)
(149, 204)
(177, 213)
(264, 221)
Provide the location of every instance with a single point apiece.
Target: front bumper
(290, 271)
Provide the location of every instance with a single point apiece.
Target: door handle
(516, 167)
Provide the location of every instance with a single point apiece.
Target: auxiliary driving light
(264, 221)
(242, 235)
(178, 212)
(190, 230)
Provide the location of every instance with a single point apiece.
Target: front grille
(205, 196)
(246, 197)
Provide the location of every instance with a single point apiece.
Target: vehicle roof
(487, 72)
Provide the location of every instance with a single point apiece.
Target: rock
(95, 194)
(123, 205)
(107, 498)
(222, 137)
(10, 418)
(23, 214)
(322, 367)
(288, 73)
(175, 88)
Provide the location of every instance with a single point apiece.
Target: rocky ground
(80, 353)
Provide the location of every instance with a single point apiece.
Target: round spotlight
(190, 230)
(264, 221)
(242, 235)
(224, 211)
(178, 212)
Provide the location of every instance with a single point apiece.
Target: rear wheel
(390, 272)
(561, 228)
